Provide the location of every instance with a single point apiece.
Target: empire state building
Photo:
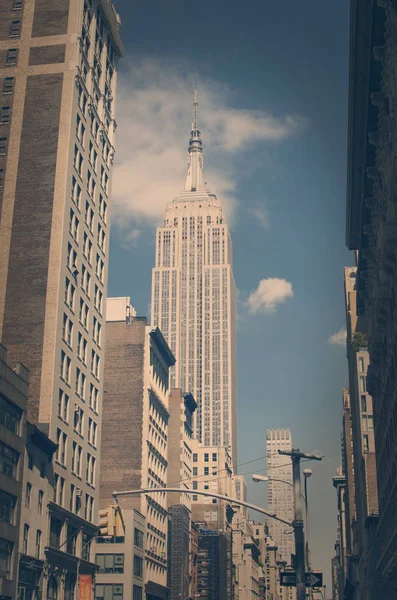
(193, 301)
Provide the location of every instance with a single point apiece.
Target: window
(3, 145)
(5, 556)
(363, 385)
(87, 248)
(86, 280)
(73, 225)
(78, 419)
(5, 115)
(195, 497)
(137, 593)
(195, 485)
(89, 216)
(80, 130)
(110, 563)
(214, 457)
(94, 393)
(65, 366)
(365, 443)
(96, 331)
(78, 161)
(101, 237)
(15, 28)
(61, 450)
(52, 588)
(12, 57)
(63, 405)
(67, 330)
(80, 385)
(103, 208)
(100, 268)
(70, 291)
(55, 533)
(90, 471)
(30, 462)
(370, 422)
(1, 177)
(8, 461)
(93, 156)
(91, 185)
(98, 300)
(138, 566)
(28, 495)
(7, 505)
(95, 364)
(77, 453)
(25, 539)
(71, 259)
(138, 538)
(364, 422)
(8, 85)
(363, 403)
(10, 416)
(206, 470)
(195, 458)
(17, 5)
(361, 364)
(104, 180)
(71, 539)
(76, 192)
(109, 591)
(92, 432)
(84, 312)
(40, 501)
(214, 501)
(195, 472)
(38, 543)
(82, 347)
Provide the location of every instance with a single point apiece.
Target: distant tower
(193, 301)
(280, 495)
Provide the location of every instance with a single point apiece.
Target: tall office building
(58, 65)
(193, 301)
(280, 495)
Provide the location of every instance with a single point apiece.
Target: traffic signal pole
(296, 457)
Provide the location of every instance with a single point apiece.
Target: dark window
(195, 497)
(30, 462)
(206, 457)
(10, 415)
(8, 85)
(42, 470)
(28, 495)
(70, 582)
(8, 460)
(12, 57)
(17, 5)
(40, 501)
(138, 538)
(5, 115)
(38, 543)
(15, 28)
(195, 485)
(7, 505)
(194, 471)
(214, 456)
(3, 145)
(214, 501)
(138, 566)
(25, 538)
(5, 556)
(1, 177)
(52, 589)
(109, 591)
(110, 563)
(137, 593)
(71, 540)
(364, 403)
(55, 533)
(206, 470)
(195, 458)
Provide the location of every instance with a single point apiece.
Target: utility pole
(296, 457)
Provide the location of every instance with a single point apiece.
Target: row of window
(65, 371)
(77, 457)
(25, 541)
(82, 343)
(214, 457)
(63, 413)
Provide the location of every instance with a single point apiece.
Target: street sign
(313, 579)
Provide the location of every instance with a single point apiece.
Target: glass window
(25, 538)
(10, 415)
(7, 505)
(52, 589)
(365, 443)
(206, 470)
(38, 543)
(110, 563)
(214, 456)
(55, 532)
(8, 85)
(28, 495)
(194, 471)
(8, 461)
(364, 403)
(361, 364)
(138, 538)
(138, 566)
(195, 458)
(5, 556)
(109, 591)
(206, 457)
(40, 502)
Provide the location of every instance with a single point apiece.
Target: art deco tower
(193, 301)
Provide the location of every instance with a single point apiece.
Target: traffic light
(111, 522)
(107, 521)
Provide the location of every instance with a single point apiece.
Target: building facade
(121, 560)
(193, 301)
(212, 567)
(279, 494)
(135, 429)
(371, 231)
(246, 559)
(58, 64)
(14, 392)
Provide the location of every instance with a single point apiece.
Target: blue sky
(272, 80)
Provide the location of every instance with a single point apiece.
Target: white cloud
(338, 338)
(154, 114)
(269, 293)
(261, 216)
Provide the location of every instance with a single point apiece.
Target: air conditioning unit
(79, 492)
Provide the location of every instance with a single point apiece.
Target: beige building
(135, 433)
(121, 561)
(193, 302)
(212, 472)
(246, 559)
(58, 64)
(14, 390)
(279, 494)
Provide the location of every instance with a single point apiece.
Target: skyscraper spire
(195, 177)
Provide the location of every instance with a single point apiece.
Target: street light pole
(296, 457)
(306, 474)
